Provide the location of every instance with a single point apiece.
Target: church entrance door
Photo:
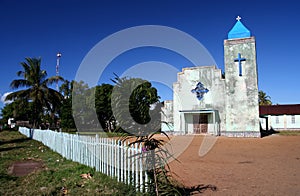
(200, 122)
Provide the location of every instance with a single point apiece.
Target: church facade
(206, 102)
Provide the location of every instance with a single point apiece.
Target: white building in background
(280, 117)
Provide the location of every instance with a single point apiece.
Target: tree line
(76, 104)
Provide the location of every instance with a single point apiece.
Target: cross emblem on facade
(240, 59)
(200, 90)
(238, 18)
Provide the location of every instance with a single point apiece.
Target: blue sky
(42, 28)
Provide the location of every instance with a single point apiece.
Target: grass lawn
(289, 133)
(56, 172)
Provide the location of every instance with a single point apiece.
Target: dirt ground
(243, 166)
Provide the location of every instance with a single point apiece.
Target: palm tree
(35, 89)
(264, 99)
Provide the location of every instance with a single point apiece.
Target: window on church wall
(277, 120)
(293, 119)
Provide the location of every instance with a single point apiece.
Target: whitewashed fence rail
(111, 157)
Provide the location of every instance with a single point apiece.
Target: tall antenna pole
(58, 55)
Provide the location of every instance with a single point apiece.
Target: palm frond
(15, 84)
(53, 79)
(22, 94)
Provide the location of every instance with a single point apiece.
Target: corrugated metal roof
(290, 109)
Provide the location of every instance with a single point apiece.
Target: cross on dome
(238, 18)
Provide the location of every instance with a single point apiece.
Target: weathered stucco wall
(242, 110)
(185, 100)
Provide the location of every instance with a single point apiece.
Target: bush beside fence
(111, 157)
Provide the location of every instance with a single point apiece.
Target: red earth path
(242, 166)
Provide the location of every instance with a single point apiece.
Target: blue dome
(239, 31)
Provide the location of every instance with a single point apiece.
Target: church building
(205, 102)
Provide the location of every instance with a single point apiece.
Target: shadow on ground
(265, 133)
(20, 140)
(197, 189)
(12, 144)
(10, 148)
(7, 177)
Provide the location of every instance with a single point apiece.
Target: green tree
(19, 110)
(35, 89)
(7, 112)
(65, 113)
(66, 88)
(132, 100)
(103, 107)
(264, 99)
(83, 107)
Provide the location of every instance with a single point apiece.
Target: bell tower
(241, 92)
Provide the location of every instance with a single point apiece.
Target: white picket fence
(111, 157)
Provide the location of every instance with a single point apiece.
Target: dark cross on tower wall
(240, 59)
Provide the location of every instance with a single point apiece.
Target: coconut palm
(264, 99)
(34, 88)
